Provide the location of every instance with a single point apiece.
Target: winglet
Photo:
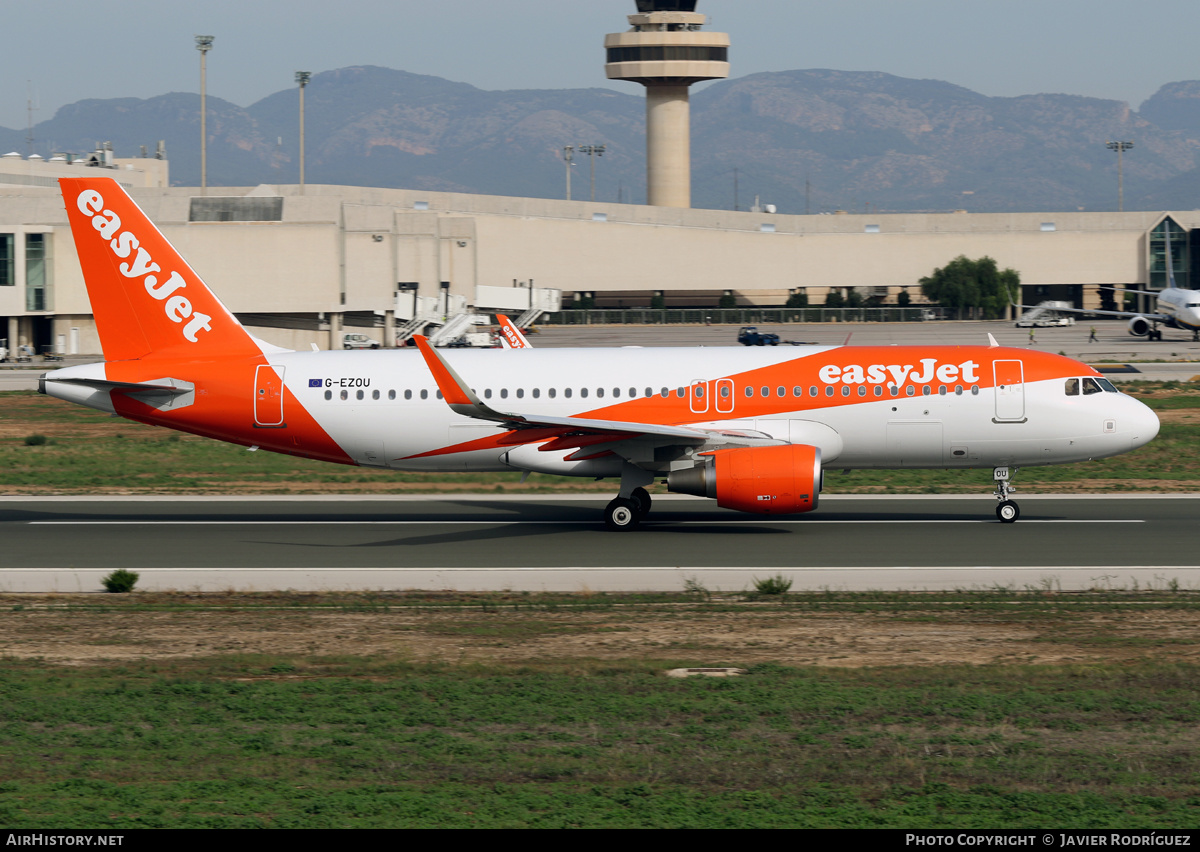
(992, 344)
(510, 335)
(461, 399)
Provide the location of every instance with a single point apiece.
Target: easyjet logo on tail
(125, 244)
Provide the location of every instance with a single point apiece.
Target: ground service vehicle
(749, 335)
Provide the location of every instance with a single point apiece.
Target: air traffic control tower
(666, 52)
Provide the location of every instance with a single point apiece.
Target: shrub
(120, 581)
(776, 585)
(35, 440)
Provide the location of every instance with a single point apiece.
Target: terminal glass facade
(1179, 255)
(37, 289)
(7, 272)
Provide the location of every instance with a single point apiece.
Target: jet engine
(1139, 326)
(774, 480)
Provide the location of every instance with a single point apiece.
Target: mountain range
(807, 141)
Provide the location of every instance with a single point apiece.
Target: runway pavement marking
(546, 523)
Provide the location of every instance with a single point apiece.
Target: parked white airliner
(752, 427)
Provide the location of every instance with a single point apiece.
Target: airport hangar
(301, 265)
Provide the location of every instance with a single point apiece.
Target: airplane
(511, 336)
(1175, 307)
(752, 427)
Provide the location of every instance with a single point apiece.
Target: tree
(973, 285)
(904, 300)
(798, 299)
(835, 299)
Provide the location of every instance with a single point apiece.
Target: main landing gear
(633, 503)
(1007, 511)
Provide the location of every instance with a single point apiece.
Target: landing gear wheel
(641, 502)
(1008, 512)
(621, 514)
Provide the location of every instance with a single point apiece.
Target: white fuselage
(384, 409)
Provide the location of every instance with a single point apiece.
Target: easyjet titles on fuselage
(177, 308)
(877, 374)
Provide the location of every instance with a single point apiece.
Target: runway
(558, 543)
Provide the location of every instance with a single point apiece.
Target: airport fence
(731, 316)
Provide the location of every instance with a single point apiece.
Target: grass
(86, 451)
(252, 739)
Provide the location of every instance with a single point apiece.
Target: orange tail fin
(145, 297)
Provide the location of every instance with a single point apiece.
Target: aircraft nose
(1143, 424)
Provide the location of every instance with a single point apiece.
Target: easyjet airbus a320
(752, 427)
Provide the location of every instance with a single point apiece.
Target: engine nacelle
(773, 480)
(1140, 326)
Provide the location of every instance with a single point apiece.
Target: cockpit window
(1072, 387)
(1108, 386)
(1091, 386)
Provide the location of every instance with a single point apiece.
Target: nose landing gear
(1007, 510)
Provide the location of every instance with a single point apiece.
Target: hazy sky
(68, 50)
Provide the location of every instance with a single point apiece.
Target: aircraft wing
(1150, 315)
(566, 432)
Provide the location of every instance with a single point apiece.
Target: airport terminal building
(300, 266)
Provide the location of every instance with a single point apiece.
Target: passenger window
(724, 391)
(812, 391)
(780, 391)
(329, 394)
(487, 394)
(974, 390)
(942, 390)
(862, 390)
(391, 394)
(1072, 387)
(616, 393)
(680, 392)
(520, 393)
(878, 390)
(345, 394)
(375, 394)
(958, 390)
(665, 393)
(829, 390)
(439, 394)
(749, 391)
(600, 393)
(894, 390)
(567, 393)
(649, 392)
(797, 391)
(766, 391)
(537, 393)
(583, 393)
(926, 390)
(845, 390)
(358, 395)
(553, 393)
(909, 391)
(1091, 386)
(699, 392)
(504, 393)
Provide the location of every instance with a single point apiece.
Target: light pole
(569, 159)
(204, 45)
(302, 78)
(593, 151)
(1120, 148)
